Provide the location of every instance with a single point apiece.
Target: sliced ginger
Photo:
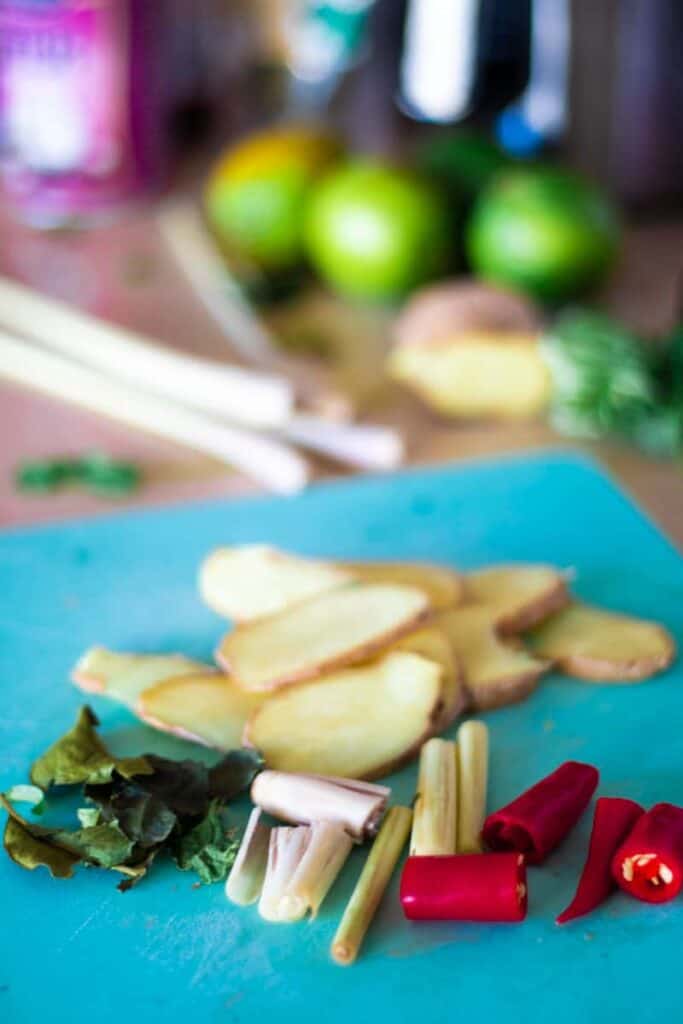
(209, 709)
(444, 587)
(495, 672)
(431, 642)
(358, 723)
(342, 627)
(595, 644)
(251, 581)
(519, 596)
(123, 677)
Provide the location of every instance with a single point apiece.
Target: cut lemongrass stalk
(358, 806)
(286, 849)
(246, 876)
(435, 818)
(370, 887)
(473, 757)
(328, 848)
(356, 785)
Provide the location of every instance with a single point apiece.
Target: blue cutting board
(79, 951)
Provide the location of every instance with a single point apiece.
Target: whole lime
(256, 195)
(544, 231)
(374, 231)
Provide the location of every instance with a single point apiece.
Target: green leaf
(209, 848)
(31, 852)
(38, 831)
(142, 816)
(141, 806)
(134, 872)
(105, 845)
(106, 476)
(234, 773)
(81, 757)
(42, 476)
(182, 785)
(88, 816)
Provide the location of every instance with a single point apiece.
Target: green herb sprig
(607, 381)
(96, 473)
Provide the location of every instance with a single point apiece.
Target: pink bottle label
(66, 106)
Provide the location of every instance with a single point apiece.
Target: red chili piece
(613, 820)
(538, 820)
(465, 887)
(649, 863)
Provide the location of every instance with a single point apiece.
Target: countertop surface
(124, 274)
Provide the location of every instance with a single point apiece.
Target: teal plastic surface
(79, 951)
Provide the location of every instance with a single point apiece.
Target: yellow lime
(256, 195)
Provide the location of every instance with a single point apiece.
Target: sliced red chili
(465, 887)
(613, 820)
(538, 820)
(649, 863)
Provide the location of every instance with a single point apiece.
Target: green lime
(256, 195)
(542, 230)
(374, 232)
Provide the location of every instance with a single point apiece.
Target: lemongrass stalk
(248, 871)
(370, 887)
(435, 818)
(355, 785)
(324, 858)
(358, 806)
(473, 754)
(285, 851)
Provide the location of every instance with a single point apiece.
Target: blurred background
(247, 243)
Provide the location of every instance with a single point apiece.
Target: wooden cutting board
(80, 951)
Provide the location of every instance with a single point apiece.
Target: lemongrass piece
(274, 464)
(435, 818)
(374, 878)
(253, 398)
(357, 785)
(245, 880)
(473, 754)
(286, 848)
(302, 799)
(366, 445)
(324, 858)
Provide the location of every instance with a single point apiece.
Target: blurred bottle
(83, 100)
(462, 58)
(538, 119)
(626, 98)
(381, 68)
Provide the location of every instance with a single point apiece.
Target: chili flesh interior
(649, 877)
